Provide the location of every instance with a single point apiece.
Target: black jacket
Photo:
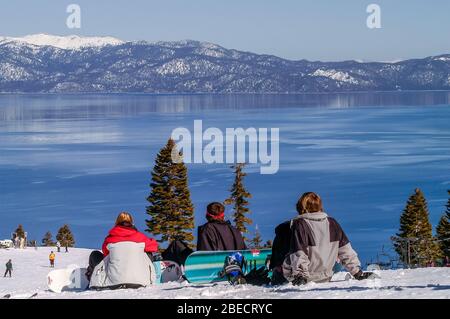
(281, 244)
(219, 235)
(9, 265)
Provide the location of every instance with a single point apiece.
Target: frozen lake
(81, 159)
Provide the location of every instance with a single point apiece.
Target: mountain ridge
(52, 64)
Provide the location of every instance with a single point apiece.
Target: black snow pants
(95, 258)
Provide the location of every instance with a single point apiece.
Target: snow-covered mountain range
(45, 63)
(72, 42)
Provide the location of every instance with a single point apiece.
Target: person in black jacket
(9, 268)
(218, 234)
(280, 249)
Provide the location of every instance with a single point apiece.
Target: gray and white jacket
(126, 264)
(317, 242)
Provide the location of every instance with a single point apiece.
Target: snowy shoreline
(31, 267)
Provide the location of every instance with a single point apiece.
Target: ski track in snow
(31, 267)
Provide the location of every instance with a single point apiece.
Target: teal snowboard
(206, 266)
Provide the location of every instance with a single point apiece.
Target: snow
(75, 42)
(335, 75)
(11, 72)
(443, 58)
(72, 42)
(174, 67)
(176, 44)
(31, 267)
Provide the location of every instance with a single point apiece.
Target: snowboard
(71, 278)
(74, 279)
(206, 266)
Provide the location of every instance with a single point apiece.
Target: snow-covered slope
(72, 42)
(31, 268)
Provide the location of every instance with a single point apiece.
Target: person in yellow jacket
(52, 257)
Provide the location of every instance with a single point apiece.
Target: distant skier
(218, 234)
(9, 268)
(317, 240)
(51, 258)
(58, 246)
(66, 246)
(125, 249)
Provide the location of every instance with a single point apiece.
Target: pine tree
(415, 243)
(239, 197)
(443, 231)
(171, 210)
(20, 232)
(65, 236)
(47, 241)
(256, 242)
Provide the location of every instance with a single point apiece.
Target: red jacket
(121, 233)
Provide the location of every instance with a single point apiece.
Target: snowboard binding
(234, 268)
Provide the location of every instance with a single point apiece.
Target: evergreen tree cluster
(65, 236)
(171, 210)
(47, 241)
(443, 231)
(239, 196)
(256, 242)
(415, 243)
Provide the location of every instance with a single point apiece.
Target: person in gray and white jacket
(317, 241)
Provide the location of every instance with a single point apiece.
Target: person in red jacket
(123, 231)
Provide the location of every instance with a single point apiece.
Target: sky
(327, 30)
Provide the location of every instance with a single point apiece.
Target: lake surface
(81, 159)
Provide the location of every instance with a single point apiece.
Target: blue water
(81, 159)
